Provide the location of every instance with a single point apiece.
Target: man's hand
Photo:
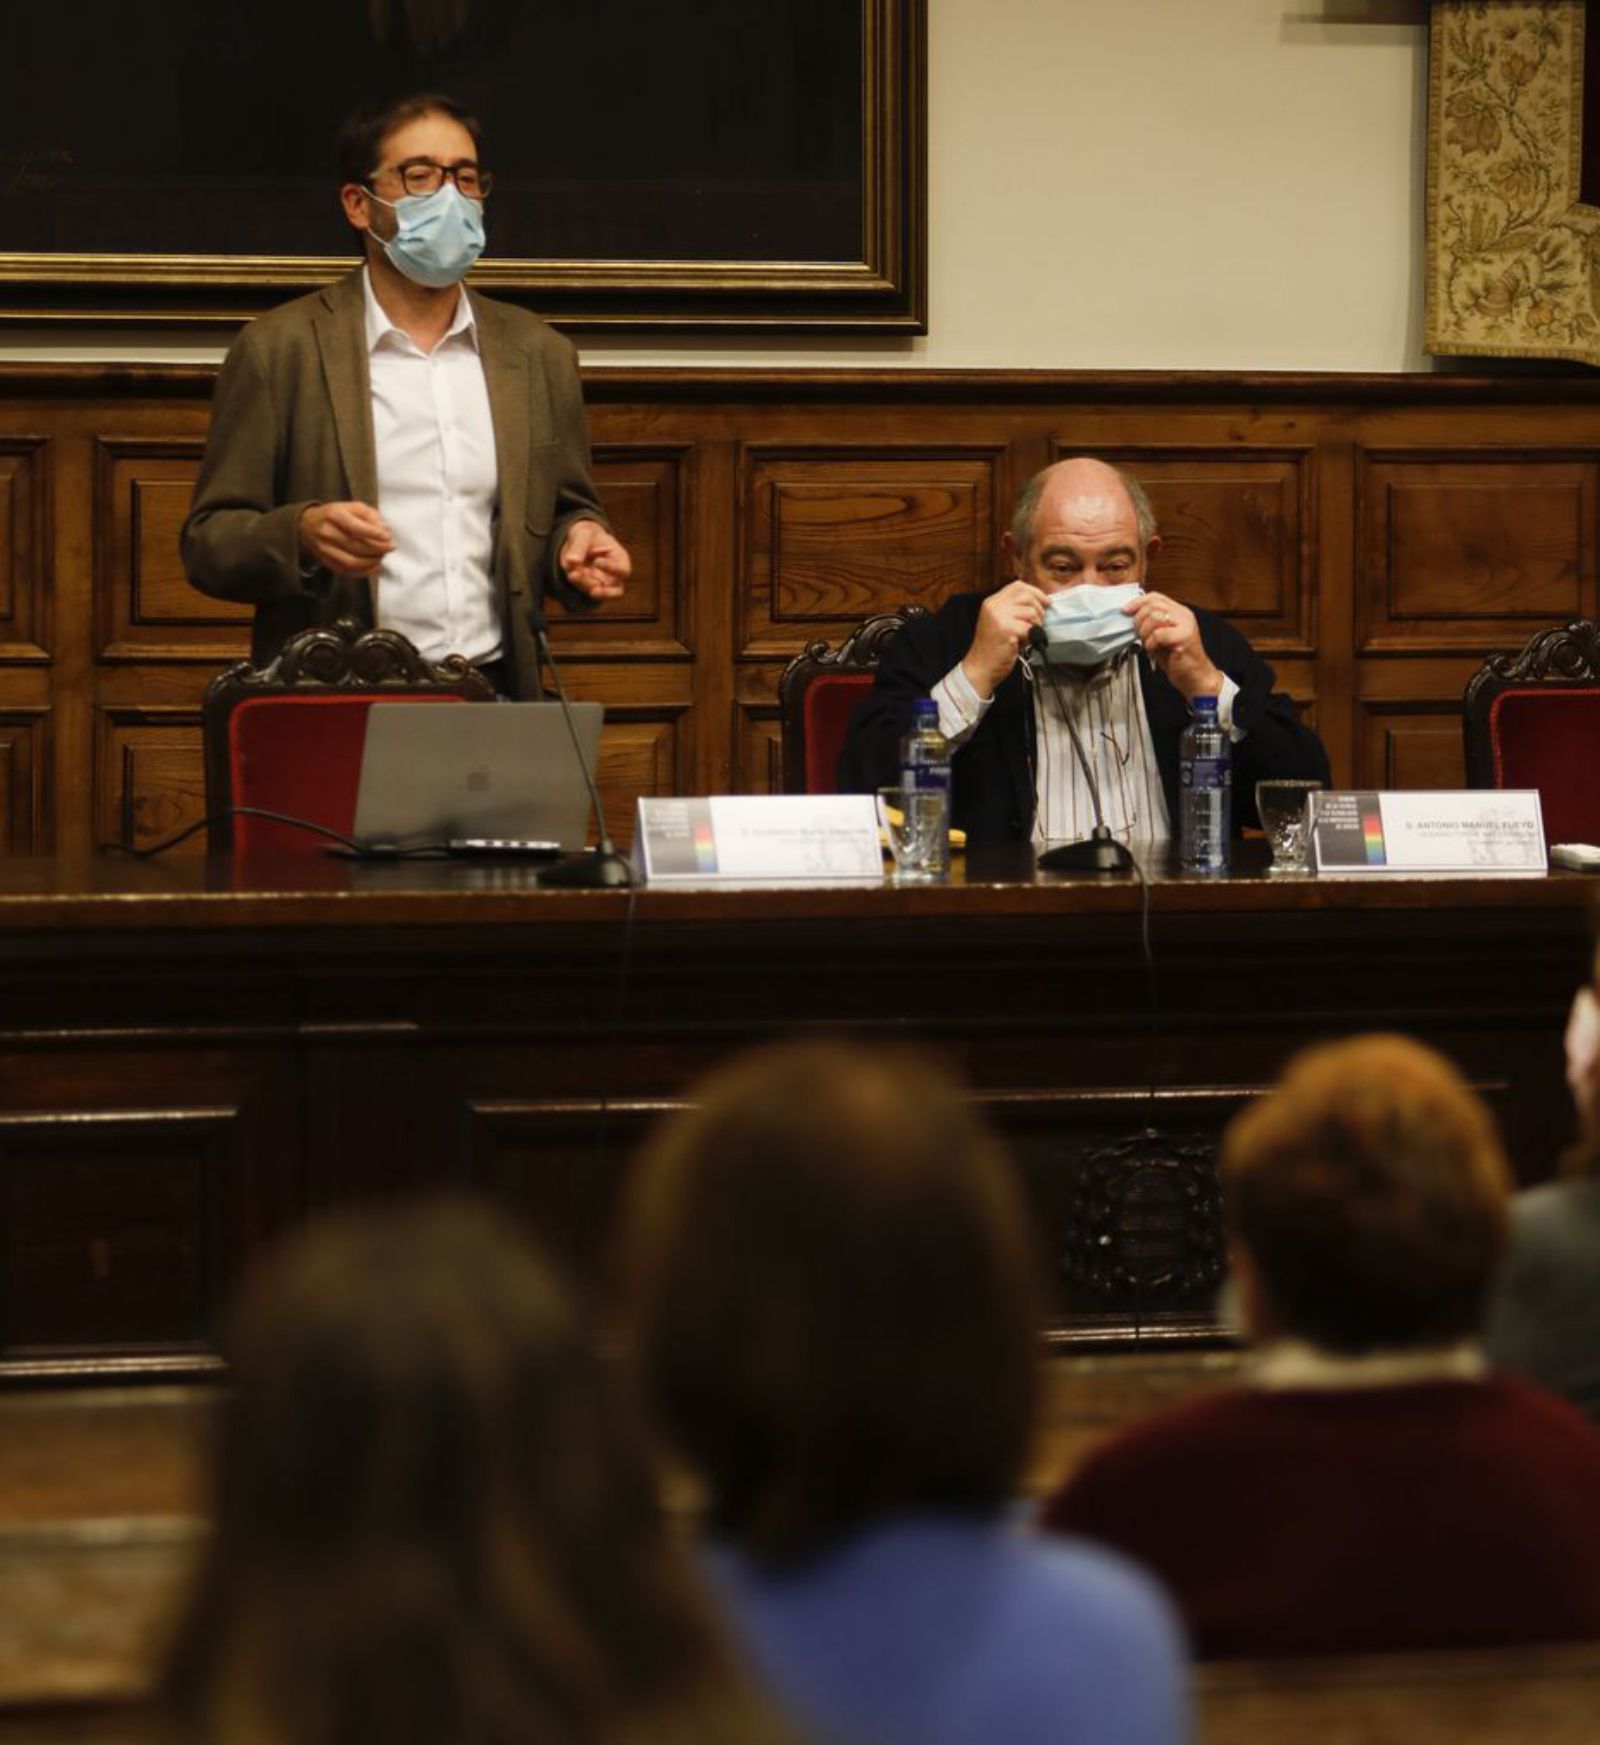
(1004, 621)
(1171, 637)
(594, 561)
(351, 539)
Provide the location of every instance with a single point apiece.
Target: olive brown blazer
(291, 426)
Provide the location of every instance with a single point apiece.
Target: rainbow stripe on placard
(705, 844)
(1372, 835)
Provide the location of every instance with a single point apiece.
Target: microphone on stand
(1099, 851)
(602, 868)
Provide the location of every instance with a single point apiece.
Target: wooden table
(194, 1055)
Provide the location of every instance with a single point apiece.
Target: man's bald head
(1081, 521)
(1101, 488)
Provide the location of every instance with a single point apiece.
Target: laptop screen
(430, 776)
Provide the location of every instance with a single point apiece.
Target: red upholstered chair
(1532, 720)
(817, 692)
(289, 736)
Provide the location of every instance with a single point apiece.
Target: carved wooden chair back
(819, 689)
(289, 737)
(1532, 720)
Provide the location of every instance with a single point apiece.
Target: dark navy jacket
(992, 783)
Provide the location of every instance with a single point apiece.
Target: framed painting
(713, 165)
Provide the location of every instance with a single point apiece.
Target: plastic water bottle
(1205, 791)
(925, 784)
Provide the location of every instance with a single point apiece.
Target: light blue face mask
(1085, 626)
(440, 235)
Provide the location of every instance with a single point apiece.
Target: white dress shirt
(438, 486)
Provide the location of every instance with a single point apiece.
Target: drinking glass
(1283, 806)
(912, 818)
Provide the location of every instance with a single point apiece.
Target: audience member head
(834, 1296)
(433, 1521)
(1367, 1199)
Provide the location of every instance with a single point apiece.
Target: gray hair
(1028, 506)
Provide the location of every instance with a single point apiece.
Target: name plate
(1451, 831)
(759, 836)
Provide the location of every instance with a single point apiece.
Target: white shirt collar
(1295, 1363)
(379, 326)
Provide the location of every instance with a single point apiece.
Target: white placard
(759, 836)
(1477, 830)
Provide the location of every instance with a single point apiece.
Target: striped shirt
(1108, 710)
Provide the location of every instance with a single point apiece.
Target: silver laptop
(437, 774)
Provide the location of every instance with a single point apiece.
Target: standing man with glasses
(396, 448)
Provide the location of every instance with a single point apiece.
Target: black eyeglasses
(423, 176)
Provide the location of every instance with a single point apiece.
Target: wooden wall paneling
(1333, 577)
(146, 1155)
(149, 775)
(1408, 722)
(25, 548)
(25, 772)
(1467, 551)
(146, 609)
(125, 1226)
(833, 534)
(719, 561)
(1349, 524)
(647, 490)
(757, 730)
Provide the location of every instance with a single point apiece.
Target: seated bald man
(1081, 545)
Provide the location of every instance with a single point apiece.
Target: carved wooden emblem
(1146, 1221)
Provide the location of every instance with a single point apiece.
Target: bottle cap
(1203, 705)
(927, 709)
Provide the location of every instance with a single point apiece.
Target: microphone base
(593, 870)
(1100, 853)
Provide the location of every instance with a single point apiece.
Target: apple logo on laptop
(478, 780)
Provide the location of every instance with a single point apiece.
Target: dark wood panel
(146, 609)
(24, 546)
(1460, 550)
(1410, 745)
(150, 777)
(759, 742)
(647, 493)
(346, 1033)
(112, 1230)
(24, 781)
(830, 536)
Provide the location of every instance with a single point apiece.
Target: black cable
(1152, 1051)
(235, 812)
(359, 850)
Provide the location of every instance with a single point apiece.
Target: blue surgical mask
(440, 235)
(1085, 626)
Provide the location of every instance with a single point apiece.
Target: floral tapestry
(1513, 257)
